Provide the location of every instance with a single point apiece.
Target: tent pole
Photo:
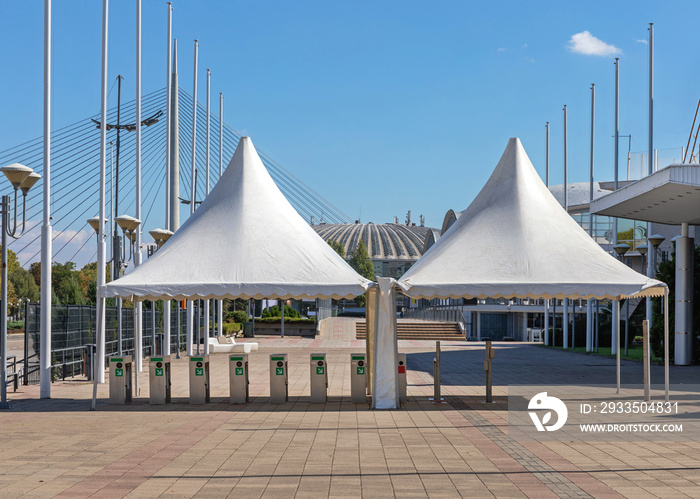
(546, 323)
(666, 352)
(647, 365)
(617, 332)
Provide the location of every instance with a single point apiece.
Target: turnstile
(159, 380)
(279, 378)
(238, 378)
(199, 380)
(402, 377)
(358, 378)
(120, 388)
(319, 378)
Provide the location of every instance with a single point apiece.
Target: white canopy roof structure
(244, 241)
(515, 240)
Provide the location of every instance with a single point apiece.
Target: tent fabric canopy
(515, 240)
(244, 241)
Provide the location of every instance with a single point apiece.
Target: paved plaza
(58, 447)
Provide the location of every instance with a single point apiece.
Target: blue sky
(382, 107)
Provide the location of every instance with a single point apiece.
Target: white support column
(138, 313)
(220, 303)
(617, 333)
(683, 350)
(546, 322)
(565, 323)
(101, 247)
(478, 326)
(168, 159)
(589, 325)
(190, 326)
(46, 229)
(615, 326)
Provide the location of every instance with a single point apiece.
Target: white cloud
(645, 42)
(587, 44)
(501, 49)
(29, 245)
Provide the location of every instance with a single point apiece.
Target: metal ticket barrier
(199, 380)
(402, 378)
(159, 380)
(238, 378)
(319, 378)
(358, 378)
(279, 379)
(120, 388)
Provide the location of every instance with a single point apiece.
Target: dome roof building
(392, 247)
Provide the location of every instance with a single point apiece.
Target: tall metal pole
(617, 127)
(221, 171)
(4, 404)
(174, 146)
(565, 316)
(590, 186)
(591, 223)
(546, 176)
(207, 301)
(546, 181)
(168, 117)
(116, 239)
(650, 269)
(566, 166)
(193, 192)
(168, 111)
(100, 315)
(208, 124)
(46, 230)
(138, 326)
(614, 345)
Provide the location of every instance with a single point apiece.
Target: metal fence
(435, 314)
(73, 327)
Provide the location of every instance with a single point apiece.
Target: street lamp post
(621, 249)
(129, 225)
(22, 178)
(655, 241)
(160, 236)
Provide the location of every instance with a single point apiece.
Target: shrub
(231, 327)
(237, 316)
(15, 325)
(278, 320)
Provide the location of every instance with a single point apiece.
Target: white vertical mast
(138, 326)
(46, 230)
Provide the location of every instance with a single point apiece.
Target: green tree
(337, 247)
(35, 270)
(361, 262)
(24, 284)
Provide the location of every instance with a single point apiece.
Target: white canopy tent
(515, 240)
(244, 241)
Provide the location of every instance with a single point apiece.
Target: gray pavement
(460, 448)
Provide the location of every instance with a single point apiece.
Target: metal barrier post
(490, 354)
(437, 398)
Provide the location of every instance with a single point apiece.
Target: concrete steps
(423, 330)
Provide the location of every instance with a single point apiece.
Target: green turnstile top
(276, 358)
(196, 359)
(318, 357)
(116, 359)
(236, 358)
(156, 359)
(358, 357)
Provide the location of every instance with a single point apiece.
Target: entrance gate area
(73, 327)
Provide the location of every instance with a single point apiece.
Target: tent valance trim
(657, 289)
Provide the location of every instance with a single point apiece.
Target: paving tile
(58, 447)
